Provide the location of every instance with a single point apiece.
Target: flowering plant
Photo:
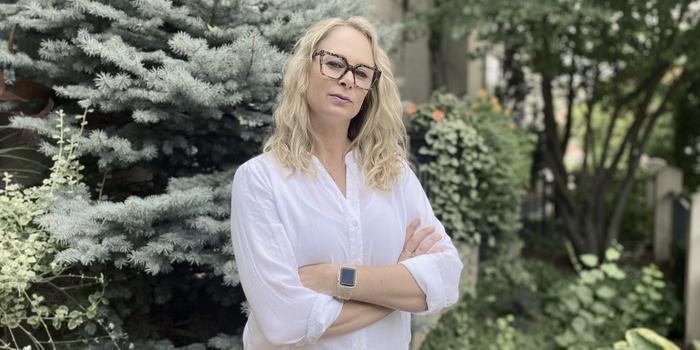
(473, 162)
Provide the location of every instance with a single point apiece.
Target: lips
(342, 97)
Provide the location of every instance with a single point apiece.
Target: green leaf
(613, 271)
(579, 325)
(572, 304)
(33, 320)
(74, 323)
(600, 308)
(61, 311)
(565, 339)
(589, 260)
(605, 292)
(584, 294)
(612, 254)
(643, 339)
(588, 277)
(91, 312)
(94, 298)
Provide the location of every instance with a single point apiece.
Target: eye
(362, 73)
(336, 64)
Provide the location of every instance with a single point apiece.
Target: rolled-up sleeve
(286, 311)
(436, 274)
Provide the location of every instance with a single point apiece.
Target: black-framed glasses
(336, 66)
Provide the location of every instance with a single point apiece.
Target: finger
(426, 245)
(437, 250)
(403, 256)
(413, 243)
(419, 237)
(411, 228)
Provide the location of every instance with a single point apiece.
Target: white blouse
(280, 224)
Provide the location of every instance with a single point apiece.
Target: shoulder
(259, 171)
(261, 162)
(408, 182)
(405, 177)
(408, 172)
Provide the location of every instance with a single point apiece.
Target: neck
(331, 145)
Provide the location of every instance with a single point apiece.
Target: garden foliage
(41, 299)
(528, 304)
(474, 163)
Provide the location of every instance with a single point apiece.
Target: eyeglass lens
(335, 67)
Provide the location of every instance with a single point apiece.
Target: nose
(347, 80)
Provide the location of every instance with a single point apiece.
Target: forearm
(389, 286)
(356, 315)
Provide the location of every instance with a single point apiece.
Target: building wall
(419, 72)
(411, 59)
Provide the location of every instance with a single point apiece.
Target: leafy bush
(38, 297)
(605, 301)
(474, 162)
(531, 305)
(504, 313)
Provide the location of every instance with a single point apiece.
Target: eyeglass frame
(348, 67)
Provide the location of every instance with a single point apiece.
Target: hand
(321, 278)
(412, 243)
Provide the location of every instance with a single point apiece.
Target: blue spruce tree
(182, 91)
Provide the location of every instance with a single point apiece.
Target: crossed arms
(293, 305)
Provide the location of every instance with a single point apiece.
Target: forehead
(349, 43)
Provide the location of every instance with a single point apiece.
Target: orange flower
(411, 109)
(495, 105)
(438, 115)
(510, 125)
(482, 94)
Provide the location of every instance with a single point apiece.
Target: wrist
(332, 278)
(346, 281)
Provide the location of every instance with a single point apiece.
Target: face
(334, 102)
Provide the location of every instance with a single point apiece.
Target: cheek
(313, 84)
(314, 90)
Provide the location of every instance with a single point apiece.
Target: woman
(325, 221)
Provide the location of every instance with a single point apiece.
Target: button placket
(353, 178)
(353, 208)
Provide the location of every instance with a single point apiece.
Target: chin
(341, 113)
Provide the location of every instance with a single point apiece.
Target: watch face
(347, 277)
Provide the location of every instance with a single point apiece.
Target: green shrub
(504, 313)
(605, 301)
(39, 298)
(474, 162)
(532, 305)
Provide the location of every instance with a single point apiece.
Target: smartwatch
(347, 280)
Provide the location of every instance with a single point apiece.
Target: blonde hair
(377, 133)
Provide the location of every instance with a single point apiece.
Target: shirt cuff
(324, 312)
(427, 274)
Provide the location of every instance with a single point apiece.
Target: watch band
(346, 282)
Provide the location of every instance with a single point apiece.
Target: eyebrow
(346, 59)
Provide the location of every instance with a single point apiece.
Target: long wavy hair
(377, 133)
